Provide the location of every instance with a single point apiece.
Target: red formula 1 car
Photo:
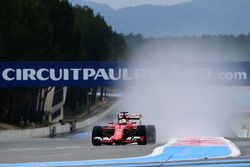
(128, 130)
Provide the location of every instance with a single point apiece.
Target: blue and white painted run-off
(175, 150)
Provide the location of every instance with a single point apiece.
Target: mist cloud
(181, 108)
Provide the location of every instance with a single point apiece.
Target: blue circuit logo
(43, 74)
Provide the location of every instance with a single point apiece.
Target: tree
(51, 30)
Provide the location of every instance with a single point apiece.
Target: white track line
(235, 151)
(159, 150)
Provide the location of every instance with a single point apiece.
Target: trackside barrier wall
(56, 129)
(242, 127)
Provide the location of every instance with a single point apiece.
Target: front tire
(151, 134)
(97, 132)
(141, 131)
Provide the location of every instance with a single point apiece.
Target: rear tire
(151, 134)
(141, 131)
(97, 132)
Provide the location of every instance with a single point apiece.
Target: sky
(117, 4)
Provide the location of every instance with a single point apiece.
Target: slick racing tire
(141, 131)
(151, 134)
(97, 132)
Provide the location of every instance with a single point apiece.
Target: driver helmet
(123, 121)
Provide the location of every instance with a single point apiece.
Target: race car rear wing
(128, 116)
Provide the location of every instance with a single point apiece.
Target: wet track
(70, 147)
(64, 149)
(76, 147)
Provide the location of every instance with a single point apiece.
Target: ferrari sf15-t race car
(128, 130)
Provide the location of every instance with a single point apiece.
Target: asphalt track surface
(77, 146)
(46, 150)
(72, 147)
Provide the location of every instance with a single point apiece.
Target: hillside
(191, 18)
